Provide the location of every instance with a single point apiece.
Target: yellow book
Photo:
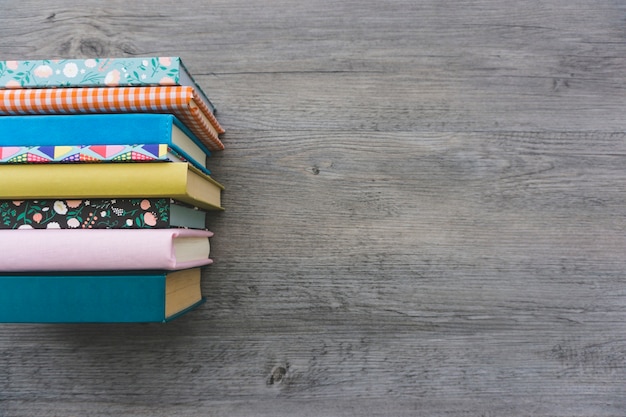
(177, 180)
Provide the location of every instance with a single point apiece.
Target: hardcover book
(102, 129)
(176, 180)
(98, 213)
(83, 153)
(183, 102)
(95, 72)
(148, 152)
(121, 297)
(39, 250)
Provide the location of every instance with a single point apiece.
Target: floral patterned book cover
(136, 213)
(95, 72)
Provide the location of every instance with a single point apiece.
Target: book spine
(76, 298)
(174, 99)
(83, 153)
(95, 250)
(176, 180)
(98, 72)
(146, 213)
(106, 129)
(92, 72)
(37, 138)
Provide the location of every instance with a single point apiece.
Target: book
(180, 101)
(103, 129)
(39, 250)
(84, 153)
(147, 152)
(176, 180)
(98, 213)
(93, 72)
(119, 297)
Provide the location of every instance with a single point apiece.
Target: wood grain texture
(425, 207)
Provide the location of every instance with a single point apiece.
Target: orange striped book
(182, 101)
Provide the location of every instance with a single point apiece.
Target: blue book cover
(104, 129)
(99, 297)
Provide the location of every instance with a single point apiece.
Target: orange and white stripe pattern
(182, 101)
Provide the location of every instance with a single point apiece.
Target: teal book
(96, 72)
(99, 298)
(56, 134)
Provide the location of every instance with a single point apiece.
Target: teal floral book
(94, 72)
(138, 213)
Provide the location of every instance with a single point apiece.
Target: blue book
(104, 129)
(99, 297)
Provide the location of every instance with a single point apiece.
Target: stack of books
(105, 189)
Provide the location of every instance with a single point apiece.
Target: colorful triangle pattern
(8, 151)
(86, 153)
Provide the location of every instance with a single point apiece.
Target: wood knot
(559, 83)
(277, 375)
(92, 47)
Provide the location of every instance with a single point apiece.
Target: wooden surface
(426, 208)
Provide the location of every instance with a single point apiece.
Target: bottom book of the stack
(131, 297)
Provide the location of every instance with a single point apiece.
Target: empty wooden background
(425, 215)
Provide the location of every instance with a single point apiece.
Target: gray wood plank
(425, 213)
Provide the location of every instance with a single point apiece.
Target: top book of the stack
(98, 72)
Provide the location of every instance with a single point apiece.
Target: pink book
(45, 250)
